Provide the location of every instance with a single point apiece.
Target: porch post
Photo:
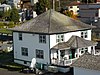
(93, 50)
(58, 54)
(78, 53)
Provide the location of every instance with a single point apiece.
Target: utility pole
(59, 5)
(87, 1)
(53, 4)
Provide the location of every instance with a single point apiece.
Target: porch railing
(62, 62)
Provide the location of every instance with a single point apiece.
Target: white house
(4, 7)
(38, 37)
(97, 1)
(74, 7)
(87, 64)
(14, 3)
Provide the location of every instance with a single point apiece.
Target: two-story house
(51, 37)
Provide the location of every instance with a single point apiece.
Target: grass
(5, 31)
(6, 60)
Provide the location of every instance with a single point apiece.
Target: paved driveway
(6, 72)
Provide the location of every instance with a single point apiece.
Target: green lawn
(5, 31)
(6, 59)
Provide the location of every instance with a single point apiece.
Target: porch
(63, 62)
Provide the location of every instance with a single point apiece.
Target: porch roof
(61, 45)
(88, 61)
(78, 42)
(74, 42)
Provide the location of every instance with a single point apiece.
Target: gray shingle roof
(62, 45)
(88, 61)
(78, 42)
(74, 42)
(51, 22)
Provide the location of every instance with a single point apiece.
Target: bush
(1, 25)
(11, 24)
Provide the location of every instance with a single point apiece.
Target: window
(24, 51)
(25, 62)
(20, 36)
(60, 38)
(83, 50)
(42, 38)
(39, 54)
(84, 34)
(77, 10)
(62, 53)
(71, 7)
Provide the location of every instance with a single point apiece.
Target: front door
(73, 53)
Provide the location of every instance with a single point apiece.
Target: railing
(63, 62)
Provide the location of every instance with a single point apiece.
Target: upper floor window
(42, 38)
(83, 50)
(24, 51)
(71, 7)
(84, 34)
(77, 10)
(20, 36)
(39, 54)
(60, 38)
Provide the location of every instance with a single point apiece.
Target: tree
(14, 16)
(1, 14)
(69, 13)
(3, 1)
(41, 6)
(6, 15)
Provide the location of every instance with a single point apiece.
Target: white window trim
(85, 34)
(59, 38)
(83, 49)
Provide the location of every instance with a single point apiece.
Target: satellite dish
(33, 62)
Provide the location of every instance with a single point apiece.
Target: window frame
(84, 50)
(24, 51)
(42, 38)
(84, 34)
(20, 36)
(39, 54)
(59, 38)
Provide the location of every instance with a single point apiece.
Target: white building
(87, 65)
(14, 3)
(38, 37)
(74, 7)
(4, 7)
